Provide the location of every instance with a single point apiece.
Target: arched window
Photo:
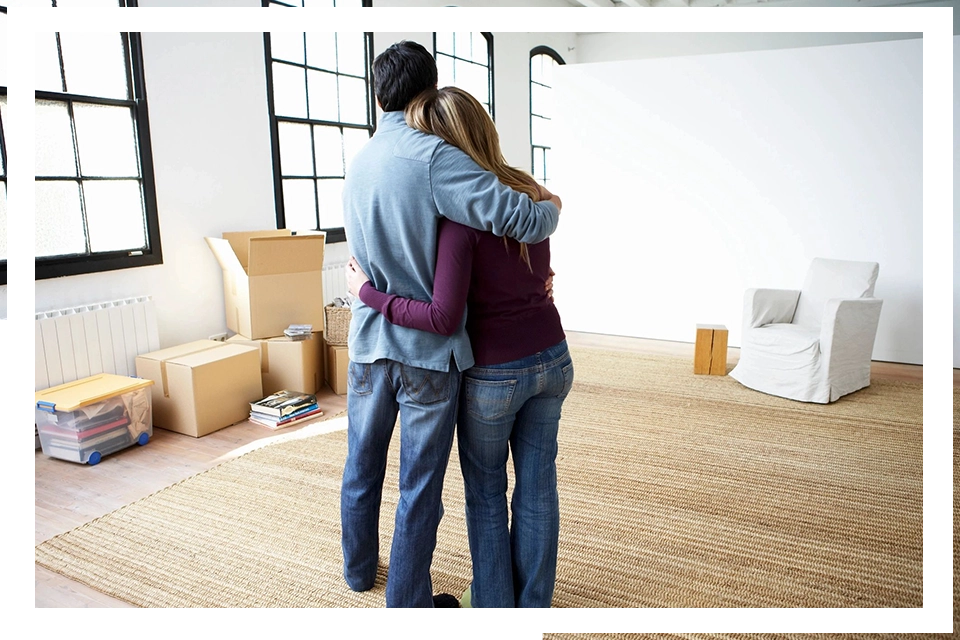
(465, 60)
(543, 60)
(321, 112)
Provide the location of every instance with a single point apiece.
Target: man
(397, 189)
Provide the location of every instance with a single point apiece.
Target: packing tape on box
(163, 365)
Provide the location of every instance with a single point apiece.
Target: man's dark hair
(401, 72)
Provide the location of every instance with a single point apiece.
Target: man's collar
(391, 120)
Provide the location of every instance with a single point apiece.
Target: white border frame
(936, 26)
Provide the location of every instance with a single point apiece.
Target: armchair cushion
(828, 279)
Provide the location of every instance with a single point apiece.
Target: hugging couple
(454, 327)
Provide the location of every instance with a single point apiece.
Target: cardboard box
(285, 363)
(92, 417)
(202, 386)
(271, 279)
(338, 359)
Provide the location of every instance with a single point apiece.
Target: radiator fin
(105, 337)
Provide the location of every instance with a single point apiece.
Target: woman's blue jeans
(427, 403)
(513, 408)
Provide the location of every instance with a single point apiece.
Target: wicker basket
(337, 324)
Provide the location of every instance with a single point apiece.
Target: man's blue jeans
(427, 403)
(513, 407)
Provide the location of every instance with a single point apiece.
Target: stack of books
(284, 408)
(299, 331)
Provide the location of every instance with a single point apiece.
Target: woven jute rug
(677, 490)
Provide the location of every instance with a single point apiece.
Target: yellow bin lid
(86, 391)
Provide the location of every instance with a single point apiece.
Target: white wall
(606, 47)
(686, 180)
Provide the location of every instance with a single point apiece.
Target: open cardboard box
(271, 279)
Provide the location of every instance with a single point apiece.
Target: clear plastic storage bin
(84, 420)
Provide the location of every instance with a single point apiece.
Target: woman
(511, 399)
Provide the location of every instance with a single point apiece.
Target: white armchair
(813, 344)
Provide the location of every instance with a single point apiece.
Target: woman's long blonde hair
(457, 117)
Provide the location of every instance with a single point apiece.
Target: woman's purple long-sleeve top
(509, 315)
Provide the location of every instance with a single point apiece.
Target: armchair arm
(848, 331)
(766, 306)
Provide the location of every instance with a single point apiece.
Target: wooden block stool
(710, 353)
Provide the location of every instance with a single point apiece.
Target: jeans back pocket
(425, 386)
(488, 399)
(358, 378)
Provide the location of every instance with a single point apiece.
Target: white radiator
(82, 341)
(334, 282)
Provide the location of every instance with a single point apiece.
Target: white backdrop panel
(686, 180)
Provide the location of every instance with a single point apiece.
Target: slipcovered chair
(814, 344)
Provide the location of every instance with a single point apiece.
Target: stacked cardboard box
(271, 279)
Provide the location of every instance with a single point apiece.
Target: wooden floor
(69, 495)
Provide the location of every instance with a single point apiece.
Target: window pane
(546, 165)
(538, 164)
(46, 64)
(329, 151)
(541, 100)
(549, 64)
(105, 141)
(322, 50)
(87, 3)
(296, 155)
(3, 51)
(462, 45)
(540, 131)
(445, 77)
(445, 42)
(114, 211)
(536, 67)
(480, 49)
(330, 201)
(353, 100)
(317, 3)
(289, 91)
(351, 53)
(353, 141)
(54, 140)
(3, 220)
(299, 206)
(286, 46)
(474, 79)
(94, 64)
(59, 223)
(322, 95)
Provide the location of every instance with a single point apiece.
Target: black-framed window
(465, 60)
(321, 112)
(93, 3)
(96, 206)
(316, 3)
(543, 61)
(3, 166)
